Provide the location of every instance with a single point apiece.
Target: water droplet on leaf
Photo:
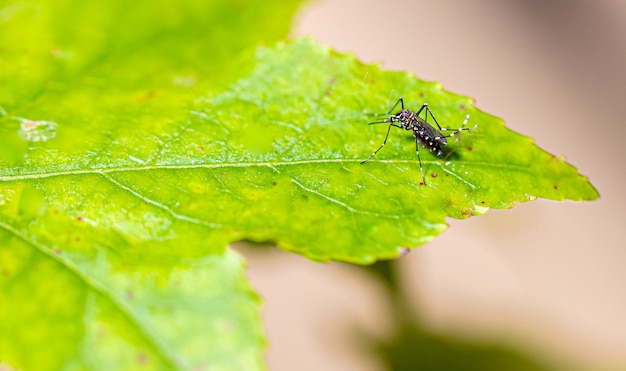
(37, 131)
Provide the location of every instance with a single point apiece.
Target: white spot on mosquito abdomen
(37, 131)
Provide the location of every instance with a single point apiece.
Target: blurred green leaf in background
(138, 140)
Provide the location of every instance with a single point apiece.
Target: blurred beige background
(547, 276)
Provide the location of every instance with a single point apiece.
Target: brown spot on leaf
(148, 95)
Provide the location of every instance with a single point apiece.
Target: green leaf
(94, 279)
(141, 141)
(88, 308)
(295, 133)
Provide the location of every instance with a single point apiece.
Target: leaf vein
(343, 204)
(8, 178)
(100, 288)
(162, 206)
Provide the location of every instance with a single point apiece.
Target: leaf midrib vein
(8, 178)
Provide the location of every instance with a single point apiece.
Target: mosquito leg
(417, 150)
(425, 107)
(400, 101)
(382, 145)
(385, 121)
(457, 131)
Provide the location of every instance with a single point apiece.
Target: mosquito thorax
(405, 115)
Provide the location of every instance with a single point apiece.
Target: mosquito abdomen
(429, 142)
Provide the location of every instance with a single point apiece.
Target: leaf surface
(92, 275)
(136, 150)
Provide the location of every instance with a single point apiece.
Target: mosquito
(424, 133)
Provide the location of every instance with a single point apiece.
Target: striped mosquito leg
(381, 146)
(457, 131)
(417, 150)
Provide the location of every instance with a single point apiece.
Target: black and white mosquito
(424, 133)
